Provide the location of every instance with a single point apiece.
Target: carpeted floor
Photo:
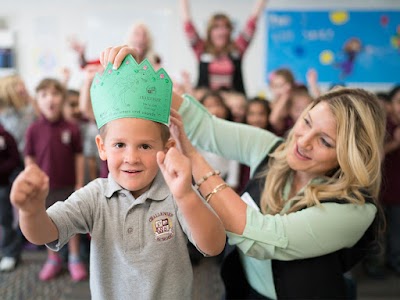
(23, 283)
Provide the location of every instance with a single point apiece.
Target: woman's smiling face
(312, 150)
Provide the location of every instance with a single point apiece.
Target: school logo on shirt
(162, 226)
(66, 137)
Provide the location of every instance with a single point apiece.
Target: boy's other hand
(30, 189)
(177, 172)
(116, 55)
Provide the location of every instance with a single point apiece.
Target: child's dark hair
(71, 92)
(217, 95)
(165, 134)
(51, 83)
(263, 102)
(393, 92)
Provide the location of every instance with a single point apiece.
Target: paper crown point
(132, 91)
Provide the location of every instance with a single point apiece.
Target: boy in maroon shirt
(10, 239)
(55, 145)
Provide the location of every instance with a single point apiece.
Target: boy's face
(71, 110)
(50, 103)
(130, 146)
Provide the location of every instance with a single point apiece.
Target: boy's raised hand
(29, 190)
(177, 172)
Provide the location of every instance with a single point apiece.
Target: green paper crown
(132, 91)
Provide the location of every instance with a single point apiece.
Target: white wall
(41, 29)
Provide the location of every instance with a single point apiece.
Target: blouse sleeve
(244, 143)
(310, 232)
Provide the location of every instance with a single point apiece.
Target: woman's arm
(205, 227)
(310, 232)
(225, 202)
(191, 32)
(185, 10)
(235, 141)
(258, 8)
(85, 104)
(246, 35)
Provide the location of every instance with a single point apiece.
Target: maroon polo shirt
(54, 146)
(9, 156)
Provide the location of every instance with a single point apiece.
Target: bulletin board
(342, 46)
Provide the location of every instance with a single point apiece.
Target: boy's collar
(158, 190)
(43, 118)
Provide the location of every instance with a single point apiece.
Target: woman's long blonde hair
(9, 94)
(360, 132)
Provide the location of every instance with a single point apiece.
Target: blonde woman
(219, 55)
(310, 210)
(138, 36)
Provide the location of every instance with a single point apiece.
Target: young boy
(55, 146)
(139, 227)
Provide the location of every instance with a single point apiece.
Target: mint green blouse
(310, 232)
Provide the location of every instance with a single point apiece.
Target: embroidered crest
(66, 137)
(162, 226)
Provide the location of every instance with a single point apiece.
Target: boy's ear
(100, 147)
(170, 143)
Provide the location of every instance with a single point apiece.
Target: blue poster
(342, 46)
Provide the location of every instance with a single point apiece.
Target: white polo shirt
(138, 246)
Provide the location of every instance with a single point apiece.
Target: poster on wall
(7, 46)
(351, 46)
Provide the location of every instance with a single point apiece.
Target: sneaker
(8, 264)
(78, 271)
(51, 268)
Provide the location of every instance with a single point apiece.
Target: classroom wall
(41, 29)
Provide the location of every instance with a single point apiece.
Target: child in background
(390, 186)
(299, 100)
(72, 113)
(386, 102)
(237, 103)
(281, 84)
(139, 227)
(55, 146)
(88, 129)
(10, 238)
(257, 115)
(86, 109)
(229, 169)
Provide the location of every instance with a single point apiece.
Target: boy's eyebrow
(147, 140)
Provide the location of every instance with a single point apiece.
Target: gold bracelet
(205, 177)
(218, 188)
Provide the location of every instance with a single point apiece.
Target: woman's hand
(116, 55)
(178, 133)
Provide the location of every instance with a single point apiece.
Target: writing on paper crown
(132, 91)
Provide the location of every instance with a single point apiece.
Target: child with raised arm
(139, 217)
(54, 144)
